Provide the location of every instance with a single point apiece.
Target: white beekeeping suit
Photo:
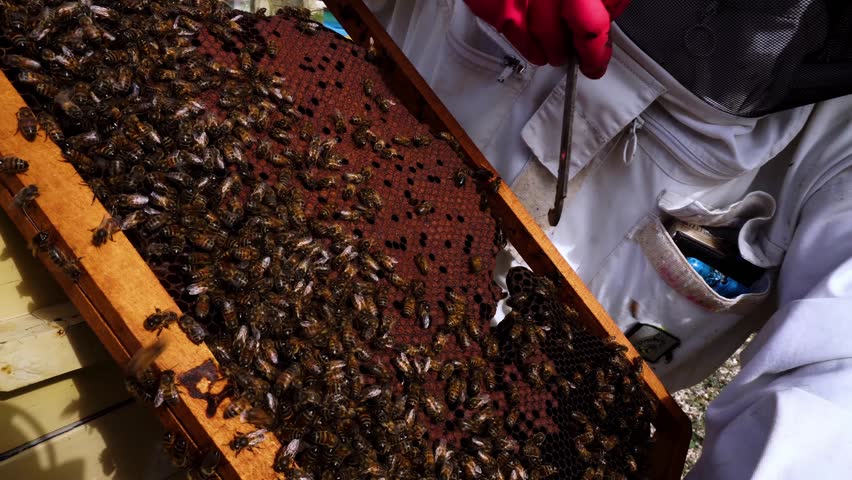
(646, 149)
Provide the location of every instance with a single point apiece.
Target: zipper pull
(512, 66)
(632, 140)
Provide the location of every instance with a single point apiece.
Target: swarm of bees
(174, 114)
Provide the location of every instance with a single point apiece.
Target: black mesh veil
(749, 57)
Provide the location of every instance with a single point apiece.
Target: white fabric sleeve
(400, 17)
(788, 414)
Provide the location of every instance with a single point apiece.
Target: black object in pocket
(715, 246)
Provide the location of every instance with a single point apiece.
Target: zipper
(676, 148)
(511, 66)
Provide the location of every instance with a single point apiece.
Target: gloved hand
(545, 31)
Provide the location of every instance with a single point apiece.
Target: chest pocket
(647, 280)
(475, 57)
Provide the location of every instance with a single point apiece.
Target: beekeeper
(724, 116)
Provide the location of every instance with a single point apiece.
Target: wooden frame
(117, 289)
(674, 429)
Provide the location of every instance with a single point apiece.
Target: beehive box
(118, 289)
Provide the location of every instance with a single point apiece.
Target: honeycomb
(571, 403)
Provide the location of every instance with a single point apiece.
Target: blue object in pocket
(719, 282)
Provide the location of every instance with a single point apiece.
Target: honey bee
(367, 86)
(209, 463)
(439, 341)
(156, 250)
(339, 122)
(600, 408)
(144, 357)
(548, 371)
(423, 314)
(244, 136)
(423, 208)
(193, 330)
(370, 198)
(32, 78)
(179, 451)
(433, 408)
(47, 90)
(167, 391)
(40, 242)
(286, 456)
(25, 196)
(587, 455)
(456, 387)
(258, 417)
(531, 451)
(349, 215)
(10, 164)
(372, 53)
(169, 439)
(202, 306)
(422, 263)
(27, 124)
(104, 230)
(234, 154)
(460, 176)
(402, 140)
(237, 407)
(202, 240)
(477, 402)
(476, 264)
(408, 306)
(533, 376)
(19, 62)
(421, 141)
(383, 103)
(360, 137)
(527, 350)
(632, 465)
(248, 440)
(471, 468)
(159, 320)
(132, 201)
(324, 438)
(608, 442)
(490, 347)
(379, 145)
(354, 178)
(565, 386)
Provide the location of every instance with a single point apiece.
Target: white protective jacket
(644, 149)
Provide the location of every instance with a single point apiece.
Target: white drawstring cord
(632, 141)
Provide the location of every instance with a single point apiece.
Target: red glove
(544, 31)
